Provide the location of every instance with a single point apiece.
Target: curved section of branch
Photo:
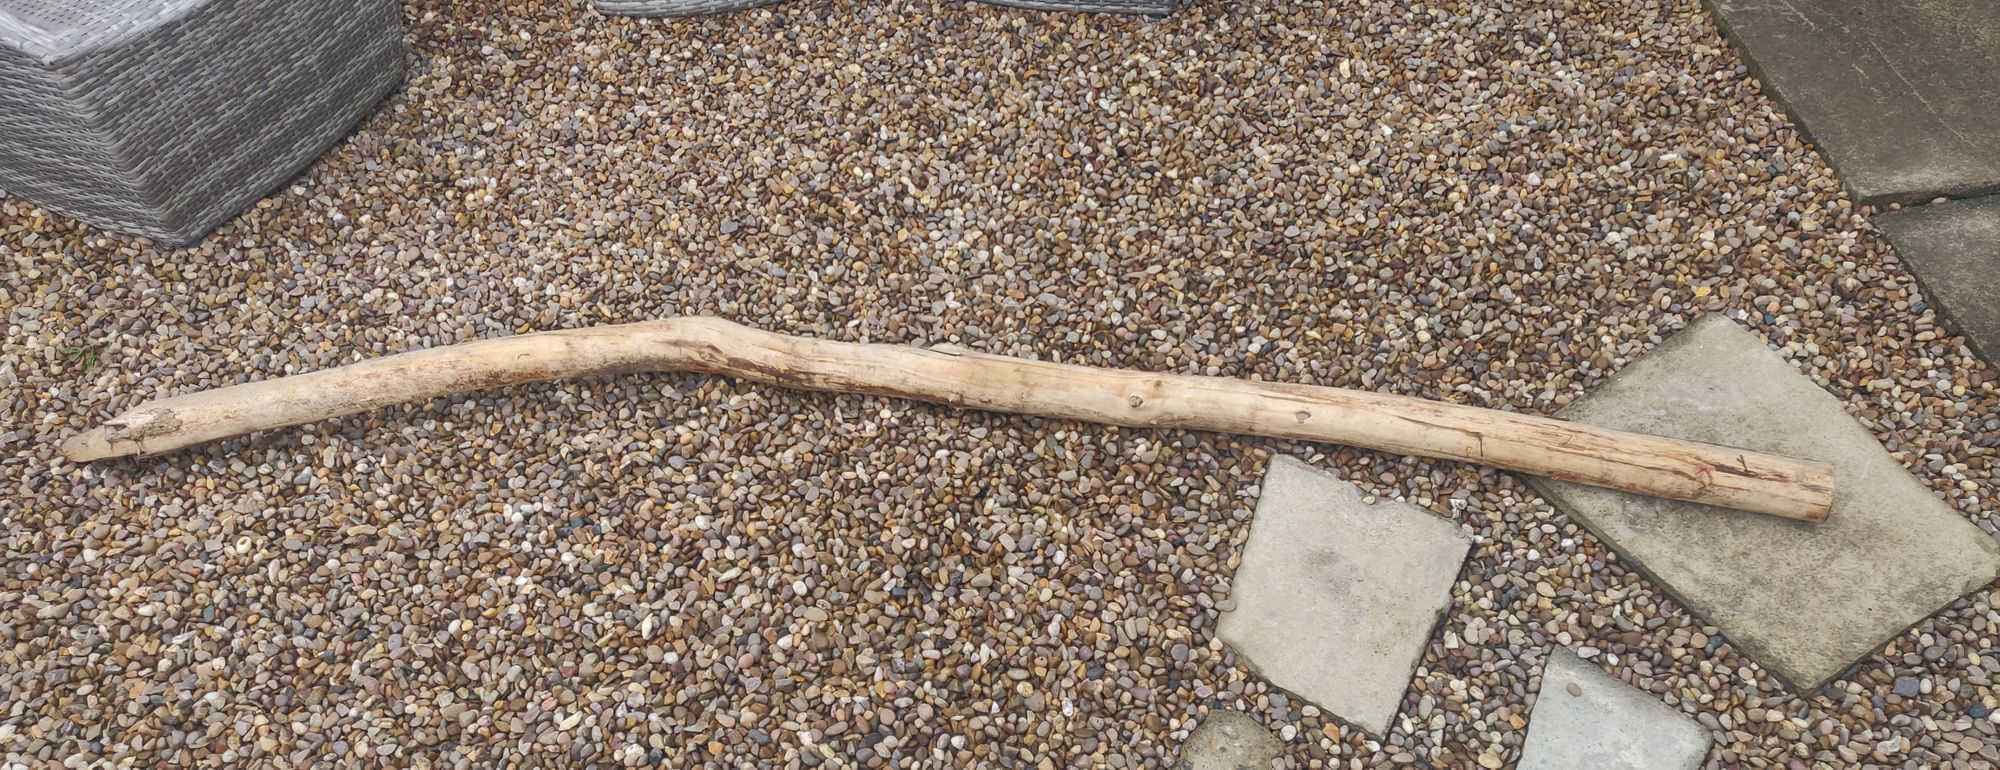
(1650, 465)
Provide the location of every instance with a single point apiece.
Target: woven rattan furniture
(693, 7)
(165, 118)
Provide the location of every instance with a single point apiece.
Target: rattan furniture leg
(165, 118)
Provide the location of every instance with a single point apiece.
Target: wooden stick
(1648, 465)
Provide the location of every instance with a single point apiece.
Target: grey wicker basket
(165, 118)
(694, 7)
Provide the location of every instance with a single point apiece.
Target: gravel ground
(1488, 202)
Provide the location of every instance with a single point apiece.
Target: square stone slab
(1585, 719)
(1954, 249)
(1229, 740)
(1335, 597)
(1903, 96)
(1806, 601)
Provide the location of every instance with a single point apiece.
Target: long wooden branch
(1649, 465)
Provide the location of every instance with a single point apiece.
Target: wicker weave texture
(170, 127)
(51, 30)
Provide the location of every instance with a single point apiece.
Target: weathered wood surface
(1648, 465)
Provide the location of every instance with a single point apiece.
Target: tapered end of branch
(89, 445)
(1817, 481)
(151, 428)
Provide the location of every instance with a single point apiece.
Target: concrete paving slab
(1229, 740)
(1585, 719)
(1805, 601)
(1954, 250)
(1335, 597)
(1902, 96)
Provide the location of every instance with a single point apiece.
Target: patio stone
(1805, 601)
(1336, 597)
(1954, 250)
(1903, 96)
(1229, 740)
(1585, 719)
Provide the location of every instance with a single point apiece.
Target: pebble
(1451, 201)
